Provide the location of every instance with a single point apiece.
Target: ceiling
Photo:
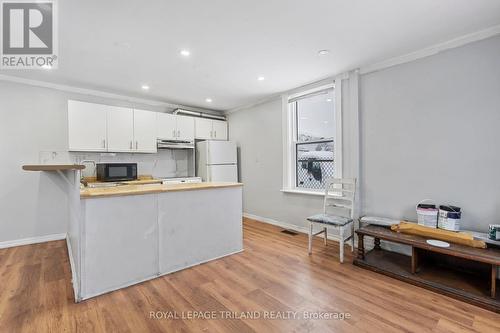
(118, 46)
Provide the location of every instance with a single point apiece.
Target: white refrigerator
(216, 161)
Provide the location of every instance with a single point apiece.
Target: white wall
(428, 129)
(34, 119)
(257, 132)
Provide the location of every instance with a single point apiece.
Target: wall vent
(289, 232)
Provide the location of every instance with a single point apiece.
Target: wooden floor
(273, 274)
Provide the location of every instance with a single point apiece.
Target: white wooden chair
(339, 197)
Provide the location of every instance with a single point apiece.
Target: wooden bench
(462, 272)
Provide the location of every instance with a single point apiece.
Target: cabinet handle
(173, 133)
(211, 134)
(104, 143)
(131, 145)
(136, 145)
(215, 135)
(178, 133)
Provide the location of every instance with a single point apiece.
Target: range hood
(174, 144)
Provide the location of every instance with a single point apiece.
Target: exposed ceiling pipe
(199, 114)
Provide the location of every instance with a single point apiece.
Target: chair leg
(352, 237)
(310, 238)
(341, 242)
(324, 229)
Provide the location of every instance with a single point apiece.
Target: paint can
(449, 217)
(427, 214)
(494, 231)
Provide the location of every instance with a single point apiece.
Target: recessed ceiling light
(261, 78)
(145, 87)
(208, 100)
(185, 53)
(323, 52)
(328, 99)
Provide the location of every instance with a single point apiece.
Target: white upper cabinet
(144, 131)
(120, 128)
(208, 129)
(185, 128)
(219, 130)
(203, 128)
(87, 126)
(174, 127)
(105, 128)
(167, 128)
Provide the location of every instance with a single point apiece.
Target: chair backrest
(340, 194)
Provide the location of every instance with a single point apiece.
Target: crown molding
(251, 105)
(98, 93)
(423, 53)
(308, 86)
(432, 50)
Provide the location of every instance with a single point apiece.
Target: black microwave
(112, 172)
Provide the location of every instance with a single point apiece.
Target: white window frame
(289, 137)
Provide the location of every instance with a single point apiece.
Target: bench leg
(361, 247)
(494, 269)
(377, 243)
(414, 260)
(324, 229)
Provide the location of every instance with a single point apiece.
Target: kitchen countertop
(123, 190)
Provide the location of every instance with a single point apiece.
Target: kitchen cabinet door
(166, 126)
(87, 126)
(120, 129)
(185, 128)
(144, 131)
(203, 129)
(219, 130)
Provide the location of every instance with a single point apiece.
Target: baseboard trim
(285, 225)
(32, 240)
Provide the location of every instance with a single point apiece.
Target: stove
(181, 180)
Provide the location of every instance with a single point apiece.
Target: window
(313, 151)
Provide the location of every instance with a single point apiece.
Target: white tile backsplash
(54, 157)
(164, 164)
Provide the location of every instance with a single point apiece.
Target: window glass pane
(314, 164)
(316, 117)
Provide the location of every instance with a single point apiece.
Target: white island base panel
(126, 240)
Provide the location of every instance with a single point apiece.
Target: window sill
(306, 192)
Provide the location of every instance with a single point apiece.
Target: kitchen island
(124, 235)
